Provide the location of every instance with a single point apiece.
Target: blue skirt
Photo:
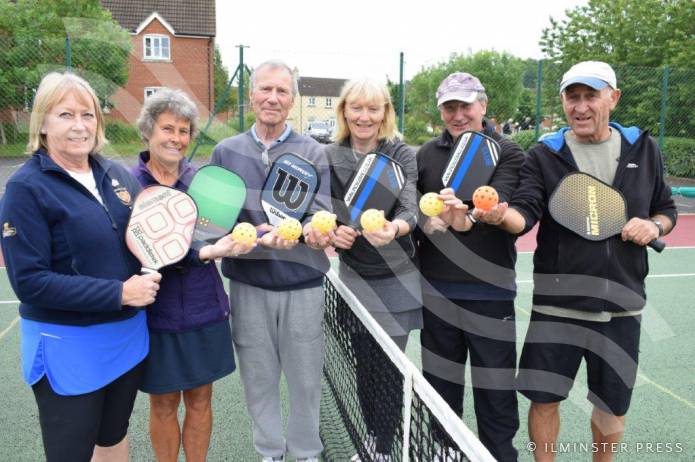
(185, 360)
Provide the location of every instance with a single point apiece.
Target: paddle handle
(657, 244)
(144, 271)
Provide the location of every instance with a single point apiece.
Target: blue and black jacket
(570, 271)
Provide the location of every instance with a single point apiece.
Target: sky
(364, 37)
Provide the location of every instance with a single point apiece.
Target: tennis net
(375, 404)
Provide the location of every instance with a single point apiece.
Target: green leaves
(500, 73)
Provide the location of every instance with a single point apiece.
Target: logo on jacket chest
(121, 192)
(8, 231)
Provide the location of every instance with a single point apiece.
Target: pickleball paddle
(376, 184)
(161, 225)
(591, 208)
(471, 164)
(219, 195)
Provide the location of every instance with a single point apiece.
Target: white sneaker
(308, 459)
(273, 459)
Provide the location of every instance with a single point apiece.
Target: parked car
(319, 130)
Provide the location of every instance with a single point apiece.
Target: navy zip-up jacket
(65, 252)
(570, 271)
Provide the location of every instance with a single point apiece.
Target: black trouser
(484, 331)
(72, 425)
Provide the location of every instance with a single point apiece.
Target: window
(329, 102)
(149, 91)
(156, 47)
(312, 101)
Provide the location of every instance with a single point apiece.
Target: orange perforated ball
(485, 198)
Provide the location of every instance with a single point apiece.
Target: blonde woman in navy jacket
(64, 216)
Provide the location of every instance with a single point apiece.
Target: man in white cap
(468, 279)
(588, 296)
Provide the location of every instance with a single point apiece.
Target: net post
(407, 408)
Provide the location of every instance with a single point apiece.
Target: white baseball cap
(595, 74)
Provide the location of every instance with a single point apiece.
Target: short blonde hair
(368, 90)
(52, 89)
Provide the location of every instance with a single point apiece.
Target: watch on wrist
(658, 225)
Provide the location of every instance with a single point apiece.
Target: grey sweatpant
(278, 332)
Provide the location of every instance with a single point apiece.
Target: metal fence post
(401, 99)
(664, 107)
(216, 109)
(241, 88)
(539, 86)
(68, 53)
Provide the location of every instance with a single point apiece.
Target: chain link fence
(660, 100)
(657, 99)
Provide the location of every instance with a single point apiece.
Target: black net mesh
(365, 395)
(362, 398)
(428, 440)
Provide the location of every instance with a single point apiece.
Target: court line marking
(12, 324)
(665, 390)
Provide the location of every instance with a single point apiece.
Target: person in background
(190, 336)
(64, 215)
(588, 296)
(276, 291)
(377, 266)
(469, 279)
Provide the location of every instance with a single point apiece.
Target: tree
(500, 74)
(33, 38)
(224, 103)
(636, 32)
(640, 38)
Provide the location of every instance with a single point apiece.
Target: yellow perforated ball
(372, 220)
(431, 205)
(323, 222)
(244, 233)
(289, 229)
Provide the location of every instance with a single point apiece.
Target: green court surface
(660, 423)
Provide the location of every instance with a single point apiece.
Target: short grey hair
(482, 97)
(274, 64)
(169, 100)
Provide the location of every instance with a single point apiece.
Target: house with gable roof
(173, 46)
(315, 102)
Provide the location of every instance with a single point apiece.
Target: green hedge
(119, 132)
(13, 135)
(679, 156)
(525, 138)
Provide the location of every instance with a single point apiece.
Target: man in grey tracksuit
(276, 292)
